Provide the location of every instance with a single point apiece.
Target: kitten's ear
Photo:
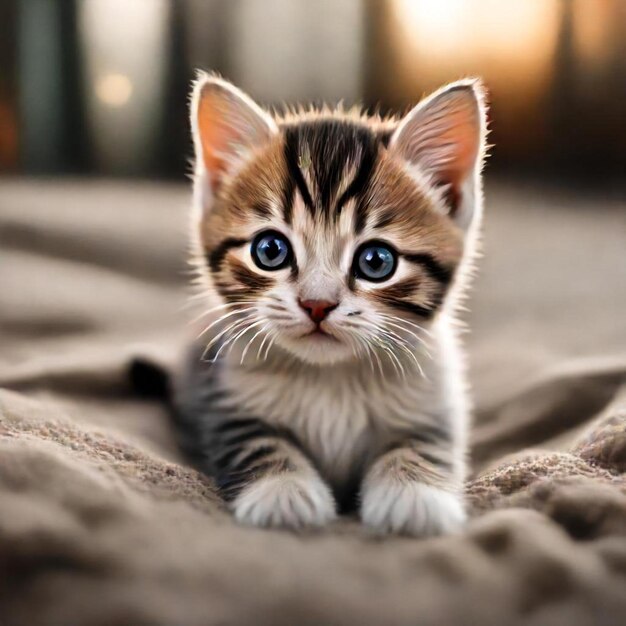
(227, 125)
(444, 138)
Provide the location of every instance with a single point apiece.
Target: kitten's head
(334, 234)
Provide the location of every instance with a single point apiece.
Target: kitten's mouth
(319, 333)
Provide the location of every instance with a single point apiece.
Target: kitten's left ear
(444, 138)
(227, 126)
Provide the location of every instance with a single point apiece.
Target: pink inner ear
(229, 125)
(217, 135)
(442, 136)
(459, 146)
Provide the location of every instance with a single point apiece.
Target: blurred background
(99, 87)
(94, 279)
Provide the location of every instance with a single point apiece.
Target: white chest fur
(343, 413)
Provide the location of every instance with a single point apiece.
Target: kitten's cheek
(413, 508)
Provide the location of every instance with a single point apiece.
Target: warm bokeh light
(114, 89)
(124, 50)
(516, 39)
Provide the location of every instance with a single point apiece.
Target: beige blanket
(102, 523)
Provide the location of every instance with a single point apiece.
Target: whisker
(389, 333)
(249, 344)
(223, 332)
(405, 347)
(258, 354)
(424, 347)
(394, 356)
(217, 308)
(395, 339)
(247, 324)
(222, 318)
(369, 344)
(414, 359)
(401, 319)
(394, 360)
(226, 330)
(269, 345)
(241, 333)
(410, 332)
(372, 348)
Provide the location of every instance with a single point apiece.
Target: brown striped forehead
(329, 162)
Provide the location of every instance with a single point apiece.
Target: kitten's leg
(413, 488)
(266, 478)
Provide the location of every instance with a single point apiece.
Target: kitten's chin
(317, 350)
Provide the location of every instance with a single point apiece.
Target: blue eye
(375, 261)
(271, 250)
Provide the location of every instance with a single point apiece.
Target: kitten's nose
(317, 309)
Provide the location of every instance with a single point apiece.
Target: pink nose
(317, 309)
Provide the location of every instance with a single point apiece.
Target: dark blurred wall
(51, 129)
(100, 86)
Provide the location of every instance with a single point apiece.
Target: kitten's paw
(412, 508)
(287, 500)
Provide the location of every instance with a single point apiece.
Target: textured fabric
(101, 522)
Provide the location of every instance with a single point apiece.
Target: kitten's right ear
(227, 125)
(444, 137)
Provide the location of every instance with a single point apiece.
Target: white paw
(411, 509)
(285, 500)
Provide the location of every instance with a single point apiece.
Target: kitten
(332, 248)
